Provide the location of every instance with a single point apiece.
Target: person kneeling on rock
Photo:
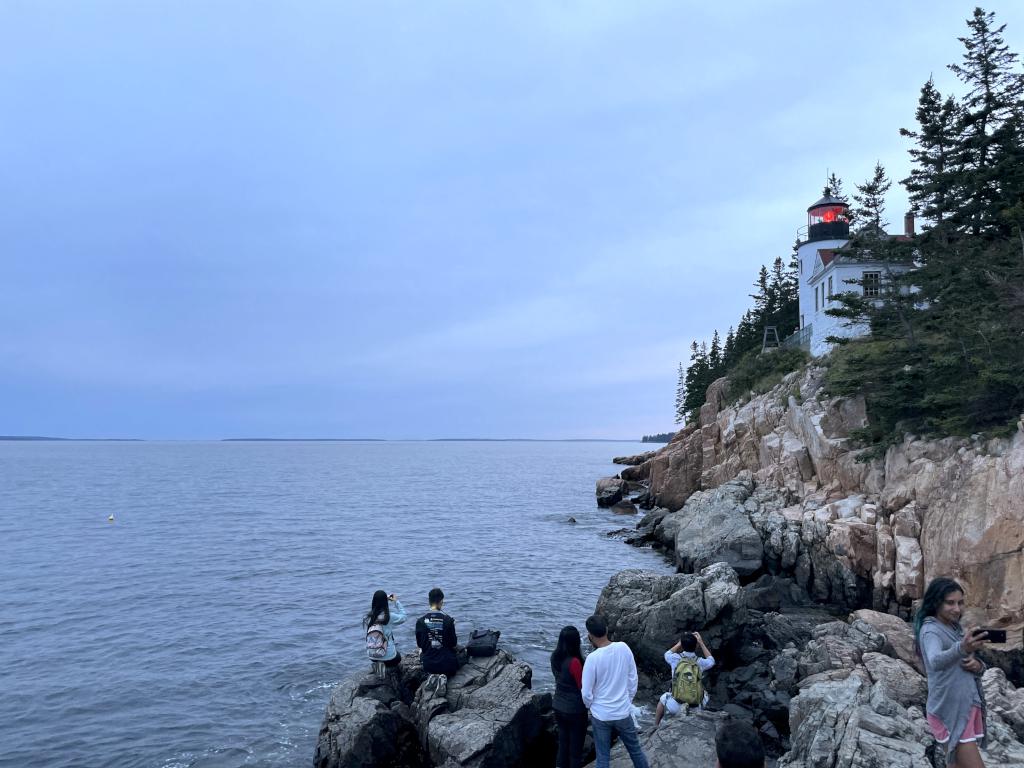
(435, 635)
(687, 676)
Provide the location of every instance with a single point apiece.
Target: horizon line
(41, 438)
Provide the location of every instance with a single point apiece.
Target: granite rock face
(853, 533)
(862, 708)
(649, 611)
(488, 717)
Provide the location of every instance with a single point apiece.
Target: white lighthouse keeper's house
(824, 272)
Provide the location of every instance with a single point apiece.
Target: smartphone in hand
(997, 636)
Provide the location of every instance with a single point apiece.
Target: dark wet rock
(488, 717)
(620, 533)
(623, 508)
(609, 491)
(366, 725)
(632, 461)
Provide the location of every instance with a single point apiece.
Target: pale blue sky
(414, 220)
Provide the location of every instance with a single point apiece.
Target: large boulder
(649, 611)
(899, 636)
(366, 725)
(610, 491)
(714, 527)
(489, 717)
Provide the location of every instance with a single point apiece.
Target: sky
(418, 220)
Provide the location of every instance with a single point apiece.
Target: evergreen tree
(868, 213)
(946, 354)
(680, 396)
(715, 356)
(834, 188)
(729, 349)
(930, 183)
(989, 125)
(698, 379)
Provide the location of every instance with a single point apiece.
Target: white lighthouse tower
(828, 230)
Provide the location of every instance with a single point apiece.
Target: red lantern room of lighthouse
(828, 219)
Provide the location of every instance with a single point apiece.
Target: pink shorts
(973, 731)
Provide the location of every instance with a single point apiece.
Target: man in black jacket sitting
(435, 635)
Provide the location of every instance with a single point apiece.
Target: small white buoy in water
(110, 519)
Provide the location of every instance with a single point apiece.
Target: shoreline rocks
(768, 503)
(489, 717)
(861, 533)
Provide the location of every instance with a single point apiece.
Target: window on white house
(830, 288)
(815, 298)
(872, 283)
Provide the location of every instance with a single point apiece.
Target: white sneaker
(431, 683)
(442, 685)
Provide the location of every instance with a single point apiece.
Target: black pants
(572, 730)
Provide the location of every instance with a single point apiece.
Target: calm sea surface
(208, 623)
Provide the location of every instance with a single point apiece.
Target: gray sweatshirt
(952, 690)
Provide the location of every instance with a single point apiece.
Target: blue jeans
(603, 741)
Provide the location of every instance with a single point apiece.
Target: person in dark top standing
(435, 635)
(570, 712)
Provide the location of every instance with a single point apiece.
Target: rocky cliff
(774, 484)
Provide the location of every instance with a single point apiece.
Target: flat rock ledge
(489, 718)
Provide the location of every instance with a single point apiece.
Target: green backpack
(687, 687)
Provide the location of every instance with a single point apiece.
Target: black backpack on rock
(483, 642)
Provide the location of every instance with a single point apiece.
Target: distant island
(661, 437)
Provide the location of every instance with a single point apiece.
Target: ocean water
(208, 623)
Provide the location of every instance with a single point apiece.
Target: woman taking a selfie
(956, 708)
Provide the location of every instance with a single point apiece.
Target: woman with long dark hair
(567, 702)
(956, 706)
(379, 624)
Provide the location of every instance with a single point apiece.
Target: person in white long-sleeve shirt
(609, 685)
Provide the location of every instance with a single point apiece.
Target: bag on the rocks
(687, 686)
(483, 642)
(376, 642)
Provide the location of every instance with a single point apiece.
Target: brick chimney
(908, 224)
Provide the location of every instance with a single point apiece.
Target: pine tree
(698, 379)
(930, 184)
(729, 349)
(834, 188)
(868, 213)
(989, 122)
(681, 395)
(715, 356)
(946, 354)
